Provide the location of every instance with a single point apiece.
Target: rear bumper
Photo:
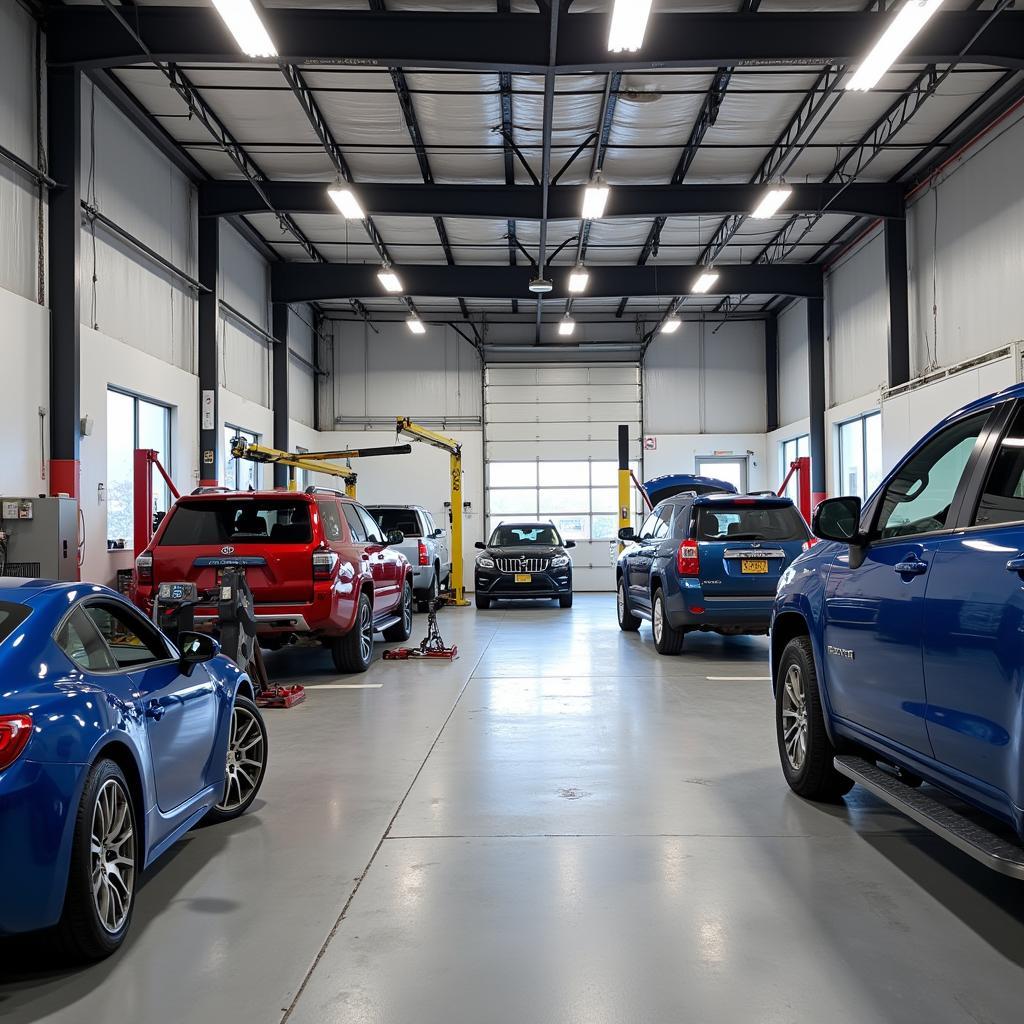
(691, 608)
(550, 583)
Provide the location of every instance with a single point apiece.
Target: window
(240, 474)
(373, 534)
(860, 455)
(133, 422)
(918, 498)
(330, 518)
(129, 637)
(404, 519)
(732, 471)
(206, 522)
(11, 616)
(735, 523)
(789, 451)
(1002, 501)
(78, 639)
(581, 498)
(355, 524)
(523, 536)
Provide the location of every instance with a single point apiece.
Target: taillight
(144, 568)
(15, 732)
(424, 557)
(688, 558)
(323, 564)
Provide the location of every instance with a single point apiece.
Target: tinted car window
(355, 524)
(11, 616)
(650, 525)
(918, 498)
(404, 519)
(521, 536)
(330, 518)
(682, 522)
(663, 519)
(373, 534)
(78, 639)
(1002, 501)
(737, 522)
(131, 640)
(244, 521)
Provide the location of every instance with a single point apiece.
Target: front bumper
(548, 583)
(690, 607)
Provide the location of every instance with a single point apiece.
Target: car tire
(423, 604)
(95, 922)
(402, 629)
(565, 600)
(246, 762)
(482, 602)
(667, 639)
(628, 622)
(354, 651)
(805, 749)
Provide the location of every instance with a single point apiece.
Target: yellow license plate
(525, 577)
(756, 566)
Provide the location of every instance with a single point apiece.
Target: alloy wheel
(407, 609)
(620, 600)
(112, 856)
(365, 632)
(246, 755)
(658, 624)
(794, 718)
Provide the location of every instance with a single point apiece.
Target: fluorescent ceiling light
(594, 198)
(911, 18)
(705, 282)
(629, 23)
(389, 279)
(578, 280)
(244, 24)
(671, 325)
(345, 200)
(771, 202)
(415, 325)
(566, 325)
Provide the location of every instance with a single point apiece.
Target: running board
(386, 623)
(973, 839)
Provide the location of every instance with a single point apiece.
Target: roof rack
(764, 494)
(314, 489)
(214, 490)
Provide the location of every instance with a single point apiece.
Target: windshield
(738, 523)
(404, 519)
(237, 521)
(11, 616)
(524, 536)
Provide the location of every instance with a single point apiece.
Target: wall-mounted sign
(650, 443)
(209, 412)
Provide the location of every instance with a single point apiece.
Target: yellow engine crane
(313, 462)
(405, 426)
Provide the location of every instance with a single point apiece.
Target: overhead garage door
(552, 452)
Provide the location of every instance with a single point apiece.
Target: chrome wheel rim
(246, 756)
(407, 609)
(794, 718)
(659, 619)
(365, 631)
(112, 856)
(620, 599)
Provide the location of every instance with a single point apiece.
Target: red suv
(318, 565)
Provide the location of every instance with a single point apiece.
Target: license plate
(756, 566)
(523, 577)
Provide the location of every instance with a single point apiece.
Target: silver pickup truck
(425, 545)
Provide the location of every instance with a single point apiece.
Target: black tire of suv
(628, 622)
(346, 650)
(80, 936)
(565, 600)
(816, 778)
(402, 629)
(482, 602)
(423, 603)
(670, 640)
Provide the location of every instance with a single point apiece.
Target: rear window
(732, 522)
(11, 616)
(404, 519)
(243, 521)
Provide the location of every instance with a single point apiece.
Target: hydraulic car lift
(405, 426)
(802, 468)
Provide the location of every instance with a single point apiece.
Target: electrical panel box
(39, 538)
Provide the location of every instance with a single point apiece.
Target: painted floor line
(343, 686)
(741, 679)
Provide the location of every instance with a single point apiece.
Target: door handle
(155, 710)
(913, 567)
(1015, 565)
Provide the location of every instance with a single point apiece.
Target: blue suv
(706, 562)
(897, 648)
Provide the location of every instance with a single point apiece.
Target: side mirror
(627, 533)
(395, 536)
(838, 519)
(438, 532)
(481, 545)
(569, 544)
(195, 648)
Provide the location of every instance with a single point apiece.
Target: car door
(384, 564)
(652, 534)
(181, 711)
(874, 612)
(440, 544)
(974, 626)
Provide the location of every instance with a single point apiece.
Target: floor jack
(174, 611)
(432, 645)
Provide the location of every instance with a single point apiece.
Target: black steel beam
(771, 372)
(64, 234)
(279, 388)
(311, 282)
(896, 274)
(83, 34)
(209, 376)
(816, 396)
(524, 202)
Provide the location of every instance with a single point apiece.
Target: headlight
(485, 562)
(559, 560)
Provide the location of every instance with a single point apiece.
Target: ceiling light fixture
(705, 282)
(389, 279)
(345, 200)
(540, 286)
(415, 324)
(578, 279)
(671, 325)
(911, 18)
(595, 196)
(629, 23)
(772, 201)
(243, 22)
(566, 325)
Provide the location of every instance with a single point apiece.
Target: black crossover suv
(524, 560)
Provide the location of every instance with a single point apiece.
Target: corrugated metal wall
(793, 393)
(245, 356)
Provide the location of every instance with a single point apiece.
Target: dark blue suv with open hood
(706, 562)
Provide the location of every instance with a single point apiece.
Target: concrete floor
(560, 826)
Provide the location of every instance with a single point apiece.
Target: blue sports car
(113, 743)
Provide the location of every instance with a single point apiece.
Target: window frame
(796, 440)
(862, 420)
(253, 437)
